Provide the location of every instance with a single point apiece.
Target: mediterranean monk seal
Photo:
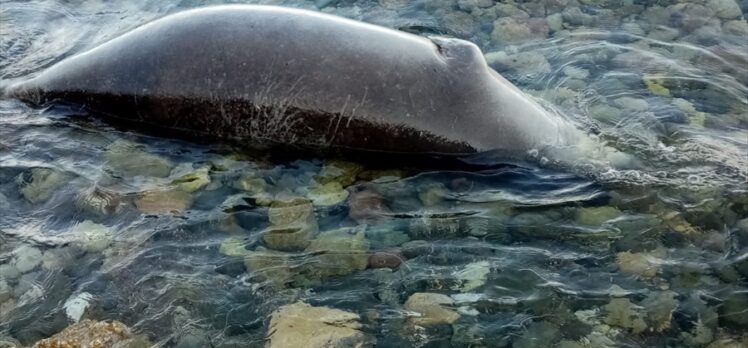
(264, 74)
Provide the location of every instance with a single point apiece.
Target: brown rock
(386, 259)
(366, 206)
(93, 334)
(163, 202)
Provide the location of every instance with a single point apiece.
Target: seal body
(263, 74)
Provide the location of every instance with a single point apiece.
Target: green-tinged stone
(194, 180)
(235, 247)
(328, 194)
(341, 171)
(655, 84)
(340, 252)
(42, 184)
(164, 202)
(597, 215)
(293, 237)
(251, 183)
(130, 159)
(302, 325)
(291, 211)
(431, 195)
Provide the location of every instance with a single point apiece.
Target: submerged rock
(520, 63)
(539, 334)
(431, 309)
(89, 333)
(386, 259)
(726, 9)
(596, 216)
(99, 201)
(291, 211)
(156, 202)
(622, 313)
(289, 237)
(473, 276)
(130, 159)
(194, 180)
(26, 258)
(41, 184)
(659, 307)
(328, 194)
(340, 252)
(638, 264)
(366, 205)
(339, 171)
(92, 237)
(302, 325)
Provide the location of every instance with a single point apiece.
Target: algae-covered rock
(656, 84)
(91, 237)
(472, 276)
(41, 184)
(89, 333)
(163, 201)
(272, 266)
(328, 194)
(130, 159)
(734, 310)
(302, 325)
(193, 180)
(340, 252)
(622, 313)
(339, 171)
(431, 309)
(638, 264)
(596, 216)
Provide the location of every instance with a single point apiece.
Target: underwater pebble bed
(134, 240)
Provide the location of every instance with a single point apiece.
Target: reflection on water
(195, 245)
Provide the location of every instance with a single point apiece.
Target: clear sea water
(171, 237)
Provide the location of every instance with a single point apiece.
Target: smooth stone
(555, 22)
(508, 30)
(431, 308)
(633, 104)
(329, 194)
(595, 216)
(340, 252)
(522, 62)
(193, 180)
(472, 276)
(366, 206)
(302, 325)
(130, 159)
(289, 237)
(539, 334)
(386, 259)
(76, 305)
(638, 264)
(663, 33)
(576, 73)
(605, 113)
(92, 237)
(291, 211)
(341, 171)
(725, 9)
(26, 258)
(164, 202)
(234, 247)
(5, 290)
(43, 183)
(251, 183)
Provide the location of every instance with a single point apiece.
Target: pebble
(725, 9)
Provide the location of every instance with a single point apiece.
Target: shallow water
(176, 239)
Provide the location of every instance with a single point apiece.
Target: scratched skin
(268, 74)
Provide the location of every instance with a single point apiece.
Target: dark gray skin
(262, 74)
